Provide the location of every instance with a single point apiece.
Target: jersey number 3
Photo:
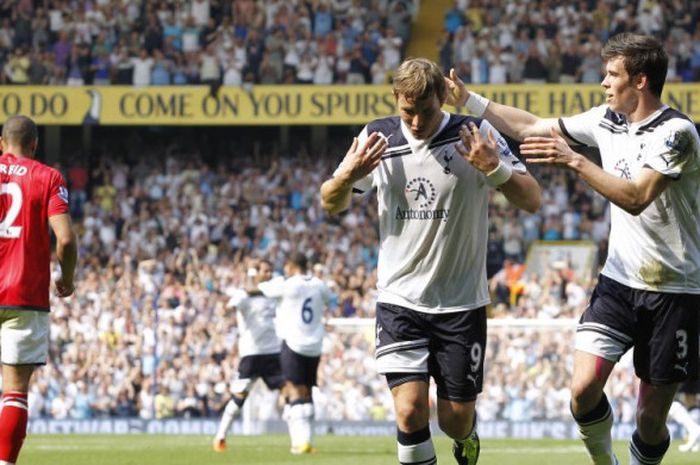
(8, 231)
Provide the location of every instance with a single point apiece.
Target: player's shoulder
(668, 118)
(43, 169)
(450, 132)
(390, 127)
(23, 166)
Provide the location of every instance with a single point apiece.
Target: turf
(274, 450)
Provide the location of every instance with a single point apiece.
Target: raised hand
(361, 160)
(457, 94)
(481, 152)
(551, 150)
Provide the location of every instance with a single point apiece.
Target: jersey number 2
(8, 231)
(307, 313)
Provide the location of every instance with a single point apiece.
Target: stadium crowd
(77, 42)
(134, 42)
(165, 238)
(560, 42)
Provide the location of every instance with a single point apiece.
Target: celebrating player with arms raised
(432, 193)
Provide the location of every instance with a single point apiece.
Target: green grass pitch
(274, 450)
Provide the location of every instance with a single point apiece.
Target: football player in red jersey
(33, 197)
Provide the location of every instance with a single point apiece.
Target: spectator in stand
(535, 71)
(142, 66)
(570, 65)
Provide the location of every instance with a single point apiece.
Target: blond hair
(419, 79)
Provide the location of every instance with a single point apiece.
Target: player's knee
(584, 396)
(411, 416)
(456, 425)
(456, 419)
(298, 392)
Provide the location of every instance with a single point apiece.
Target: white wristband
(500, 175)
(476, 104)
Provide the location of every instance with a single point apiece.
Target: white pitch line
(532, 450)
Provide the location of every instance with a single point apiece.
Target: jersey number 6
(307, 313)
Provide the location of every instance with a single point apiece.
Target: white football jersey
(659, 250)
(433, 217)
(256, 324)
(302, 300)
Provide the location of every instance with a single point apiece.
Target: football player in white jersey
(258, 347)
(302, 299)
(433, 172)
(648, 293)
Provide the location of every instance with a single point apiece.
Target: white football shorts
(24, 337)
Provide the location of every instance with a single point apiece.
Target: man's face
(620, 91)
(264, 272)
(422, 117)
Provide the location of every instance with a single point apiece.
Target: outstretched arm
(511, 121)
(632, 195)
(359, 161)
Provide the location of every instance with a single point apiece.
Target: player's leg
(414, 441)
(605, 332)
(299, 372)
(248, 371)
(230, 413)
(665, 354)
(300, 418)
(24, 339)
(651, 439)
(590, 407)
(402, 356)
(13, 418)
(456, 362)
(458, 421)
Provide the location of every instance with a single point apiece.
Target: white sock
(416, 447)
(680, 414)
(595, 429)
(296, 423)
(306, 434)
(227, 418)
(423, 453)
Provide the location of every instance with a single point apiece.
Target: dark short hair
(19, 130)
(419, 79)
(263, 261)
(299, 260)
(642, 54)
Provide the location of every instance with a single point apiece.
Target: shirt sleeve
(58, 195)
(273, 288)
(674, 151)
(237, 298)
(580, 128)
(364, 184)
(504, 151)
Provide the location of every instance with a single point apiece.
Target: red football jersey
(30, 192)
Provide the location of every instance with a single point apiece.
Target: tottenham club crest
(421, 190)
(623, 168)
